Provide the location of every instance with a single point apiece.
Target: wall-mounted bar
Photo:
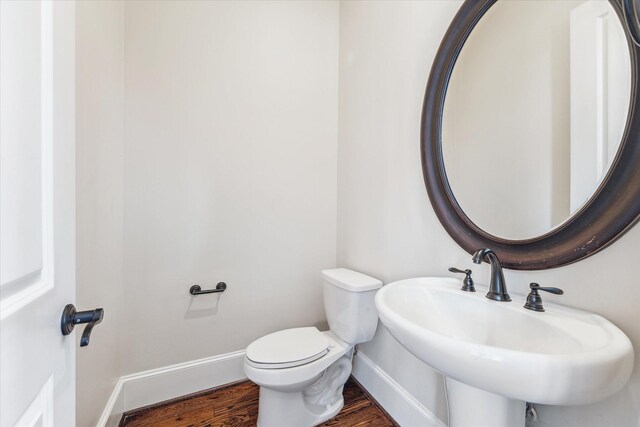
(197, 290)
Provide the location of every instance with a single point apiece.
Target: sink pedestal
(472, 407)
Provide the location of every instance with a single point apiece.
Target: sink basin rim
(496, 361)
(611, 329)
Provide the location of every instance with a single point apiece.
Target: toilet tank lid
(351, 280)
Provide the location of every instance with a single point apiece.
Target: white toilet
(301, 371)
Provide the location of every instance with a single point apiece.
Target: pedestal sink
(498, 355)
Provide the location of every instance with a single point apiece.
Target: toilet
(301, 371)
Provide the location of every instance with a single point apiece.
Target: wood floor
(237, 405)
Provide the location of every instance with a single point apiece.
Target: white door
(37, 212)
(600, 86)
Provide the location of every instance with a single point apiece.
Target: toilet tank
(349, 304)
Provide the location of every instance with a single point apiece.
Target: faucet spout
(497, 284)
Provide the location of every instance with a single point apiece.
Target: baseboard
(114, 408)
(156, 385)
(395, 399)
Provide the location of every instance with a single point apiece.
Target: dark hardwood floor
(237, 405)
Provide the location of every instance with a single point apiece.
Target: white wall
(230, 123)
(229, 174)
(99, 209)
(386, 226)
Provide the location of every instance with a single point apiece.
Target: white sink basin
(562, 356)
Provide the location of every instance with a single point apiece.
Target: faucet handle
(467, 283)
(534, 300)
(537, 287)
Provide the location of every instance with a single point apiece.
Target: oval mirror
(529, 129)
(536, 105)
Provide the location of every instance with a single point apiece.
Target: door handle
(71, 318)
(629, 12)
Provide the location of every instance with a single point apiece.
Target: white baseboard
(114, 408)
(395, 399)
(156, 385)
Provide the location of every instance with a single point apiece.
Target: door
(37, 212)
(600, 81)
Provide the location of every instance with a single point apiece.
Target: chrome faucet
(497, 284)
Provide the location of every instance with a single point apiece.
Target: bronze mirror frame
(610, 212)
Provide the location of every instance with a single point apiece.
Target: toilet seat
(288, 348)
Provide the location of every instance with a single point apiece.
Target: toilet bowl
(302, 371)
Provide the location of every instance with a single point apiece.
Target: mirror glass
(534, 112)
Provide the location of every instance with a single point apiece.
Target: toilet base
(319, 402)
